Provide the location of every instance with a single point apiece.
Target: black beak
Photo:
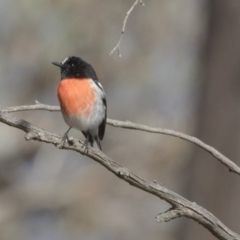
(57, 64)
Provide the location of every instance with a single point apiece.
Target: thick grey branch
(188, 209)
(170, 215)
(130, 125)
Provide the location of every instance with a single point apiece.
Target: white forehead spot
(65, 60)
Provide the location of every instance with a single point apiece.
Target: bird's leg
(85, 144)
(65, 136)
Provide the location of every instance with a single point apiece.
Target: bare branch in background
(117, 47)
(180, 205)
(36, 106)
(134, 126)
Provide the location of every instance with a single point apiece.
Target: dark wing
(101, 128)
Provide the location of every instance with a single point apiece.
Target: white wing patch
(99, 85)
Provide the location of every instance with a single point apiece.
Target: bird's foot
(65, 138)
(85, 146)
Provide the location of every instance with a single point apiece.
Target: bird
(82, 100)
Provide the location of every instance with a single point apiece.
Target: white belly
(87, 122)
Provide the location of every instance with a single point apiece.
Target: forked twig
(117, 47)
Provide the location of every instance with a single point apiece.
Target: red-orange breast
(76, 96)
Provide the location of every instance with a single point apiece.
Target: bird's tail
(93, 140)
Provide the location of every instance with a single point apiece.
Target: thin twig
(37, 106)
(134, 126)
(185, 207)
(117, 47)
(214, 152)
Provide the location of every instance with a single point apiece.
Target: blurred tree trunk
(210, 184)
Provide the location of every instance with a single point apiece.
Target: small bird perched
(82, 100)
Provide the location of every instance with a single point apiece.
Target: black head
(75, 67)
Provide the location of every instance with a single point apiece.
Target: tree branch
(117, 47)
(185, 207)
(134, 126)
(169, 215)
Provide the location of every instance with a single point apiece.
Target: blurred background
(179, 69)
